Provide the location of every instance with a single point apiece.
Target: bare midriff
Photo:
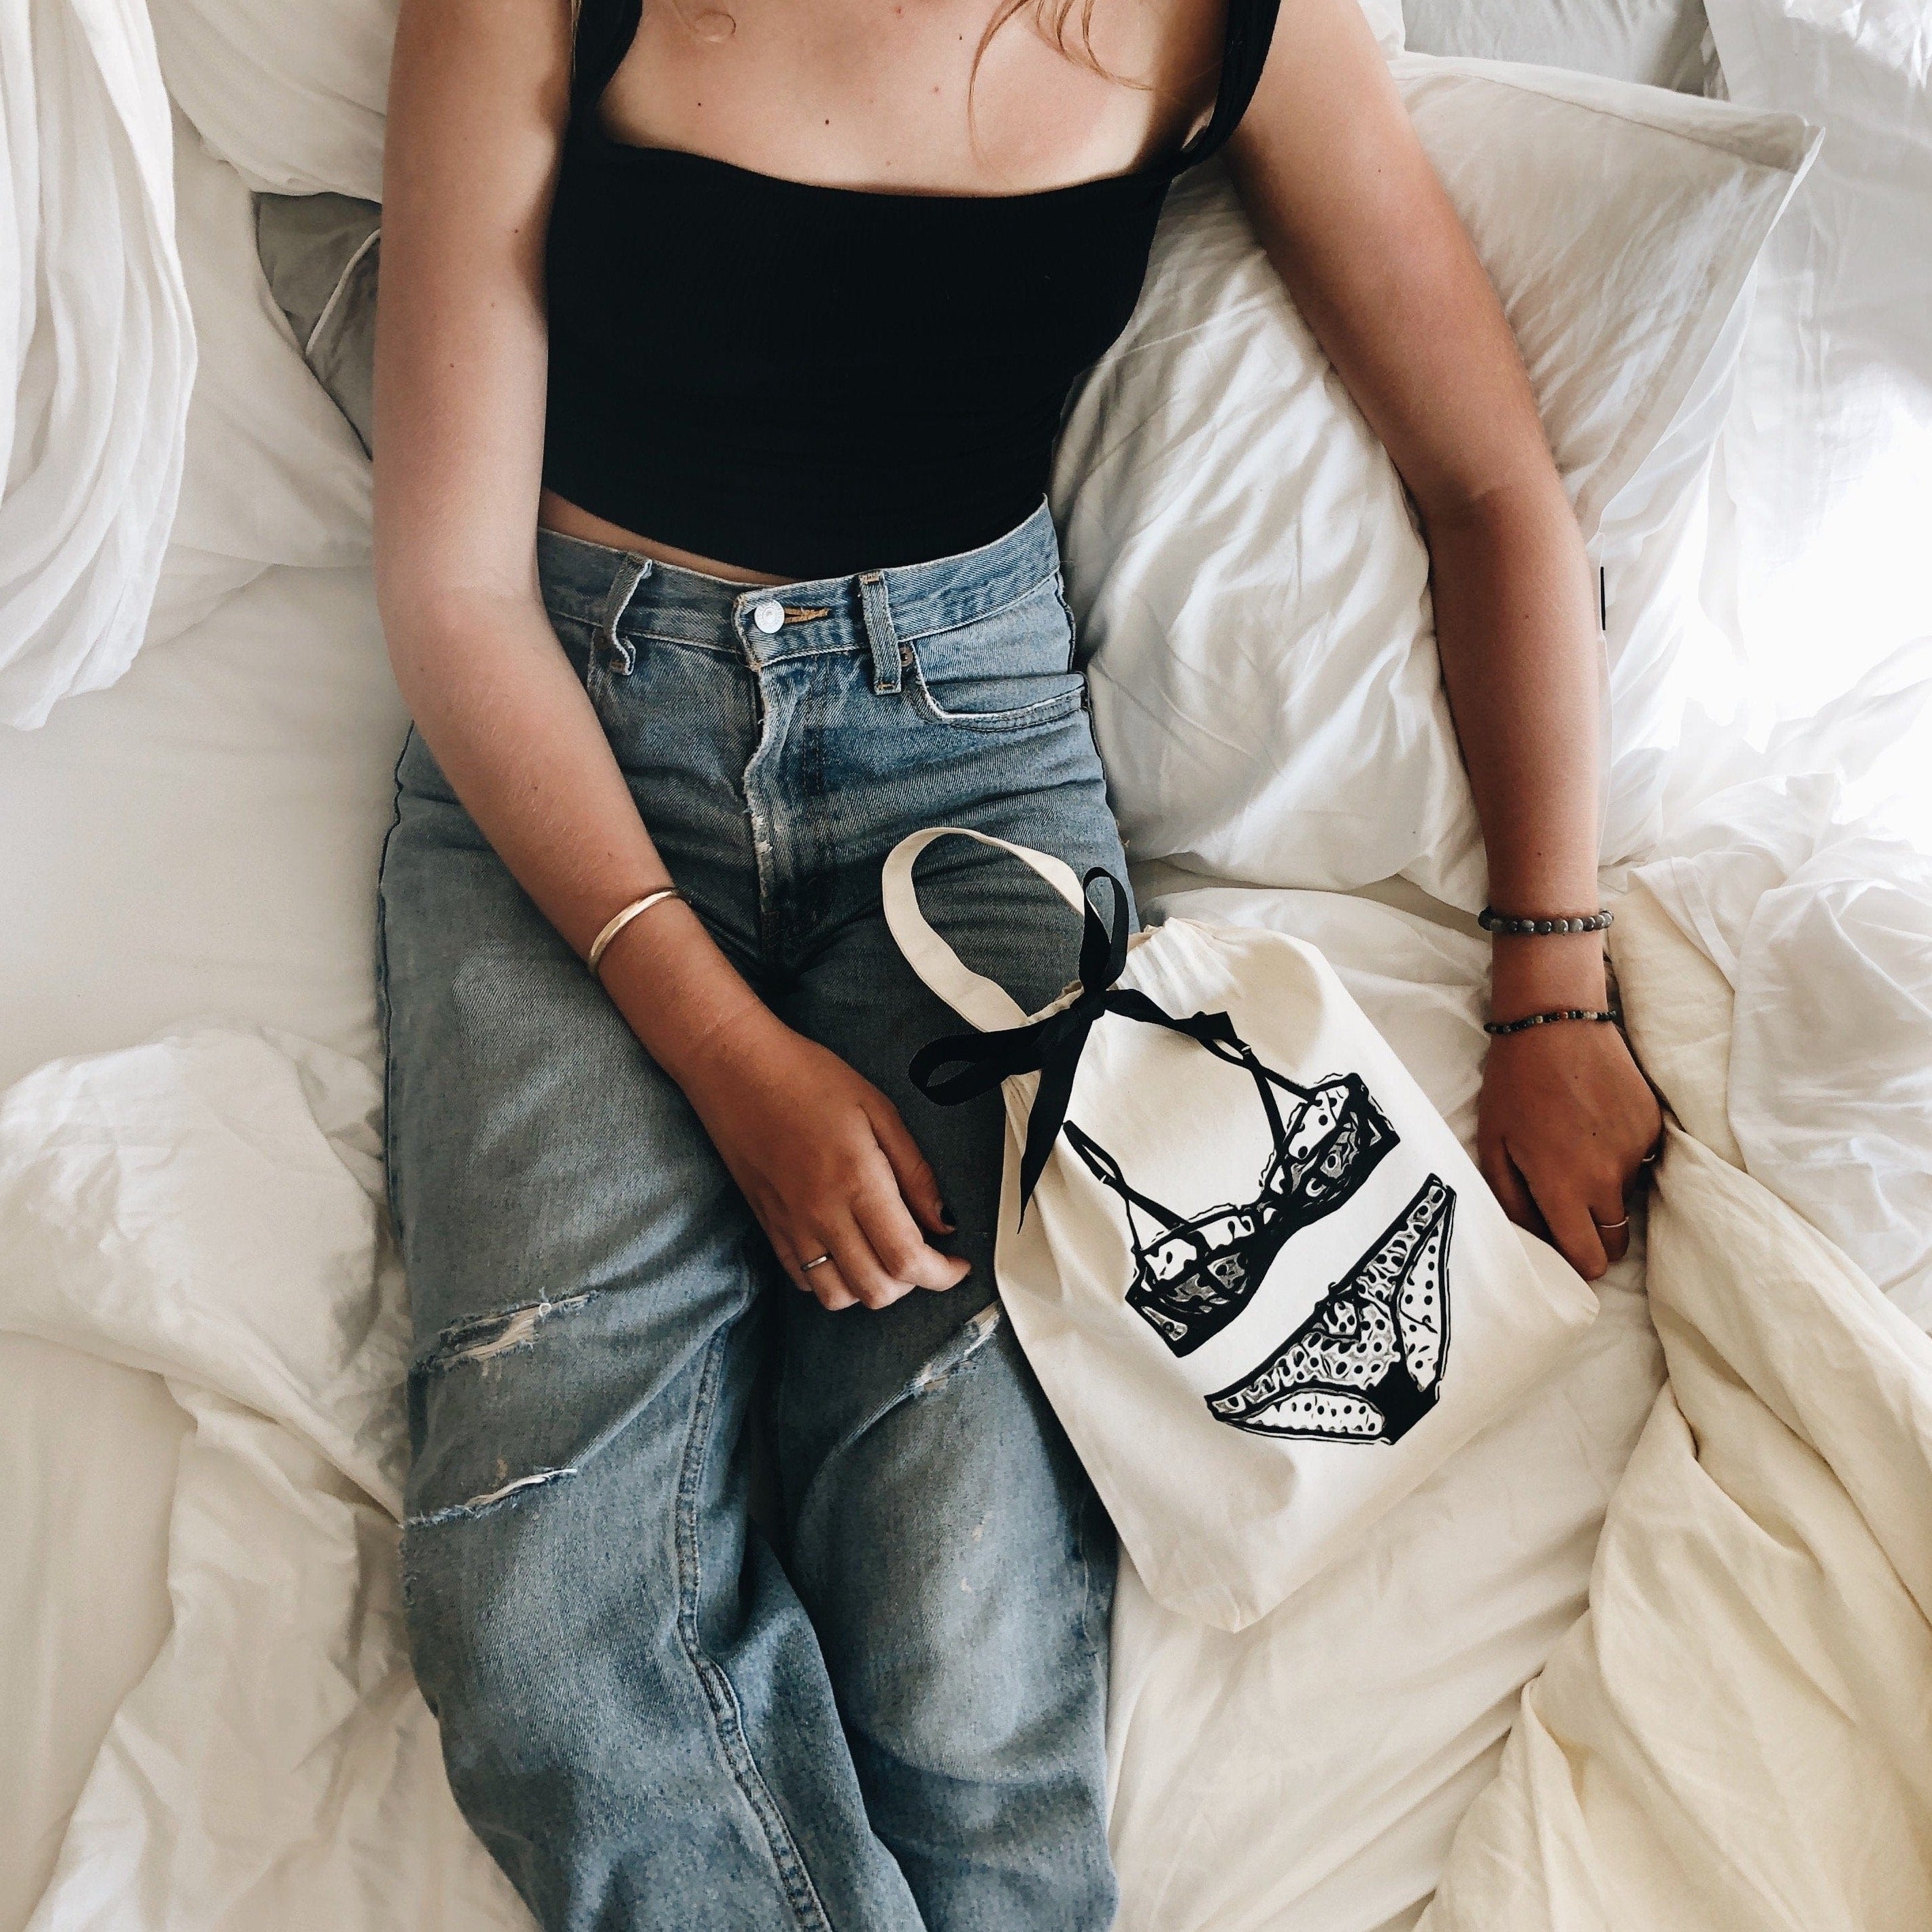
(559, 513)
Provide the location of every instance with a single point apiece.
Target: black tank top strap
(1250, 33)
(605, 29)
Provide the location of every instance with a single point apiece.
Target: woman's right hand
(825, 1161)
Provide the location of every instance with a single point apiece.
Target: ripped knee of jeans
(480, 1339)
(477, 1505)
(972, 1337)
(484, 1346)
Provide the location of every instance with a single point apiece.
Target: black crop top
(814, 381)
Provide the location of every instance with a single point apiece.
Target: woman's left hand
(1565, 1124)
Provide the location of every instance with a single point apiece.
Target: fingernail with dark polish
(945, 1215)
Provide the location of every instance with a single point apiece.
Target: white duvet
(1739, 1733)
(206, 1207)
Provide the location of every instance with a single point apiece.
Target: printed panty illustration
(1367, 1364)
(1194, 1274)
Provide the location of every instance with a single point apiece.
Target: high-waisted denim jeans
(884, 1710)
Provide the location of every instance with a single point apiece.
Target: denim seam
(727, 655)
(808, 1910)
(384, 1010)
(1073, 628)
(642, 632)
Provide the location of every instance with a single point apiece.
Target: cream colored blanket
(1737, 1733)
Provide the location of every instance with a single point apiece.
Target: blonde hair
(1050, 20)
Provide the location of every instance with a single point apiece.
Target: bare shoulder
(457, 61)
(479, 96)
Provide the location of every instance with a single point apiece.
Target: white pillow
(274, 474)
(1657, 42)
(1240, 552)
(291, 96)
(1385, 18)
(1824, 475)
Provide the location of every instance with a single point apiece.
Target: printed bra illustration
(1366, 1365)
(1196, 1273)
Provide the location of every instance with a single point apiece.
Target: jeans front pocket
(1011, 670)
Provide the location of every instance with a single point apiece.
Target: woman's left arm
(1353, 217)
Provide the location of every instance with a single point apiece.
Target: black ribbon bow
(1053, 1046)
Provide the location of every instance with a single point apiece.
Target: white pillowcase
(273, 474)
(1824, 488)
(1240, 552)
(1657, 42)
(292, 97)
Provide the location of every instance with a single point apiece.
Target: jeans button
(769, 617)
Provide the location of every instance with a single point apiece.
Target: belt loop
(879, 632)
(631, 573)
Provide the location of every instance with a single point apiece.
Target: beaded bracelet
(1491, 920)
(1548, 1019)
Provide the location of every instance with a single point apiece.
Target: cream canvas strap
(980, 1001)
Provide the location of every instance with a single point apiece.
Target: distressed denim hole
(483, 1339)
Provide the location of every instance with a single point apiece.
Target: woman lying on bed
(722, 353)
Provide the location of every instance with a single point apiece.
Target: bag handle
(982, 1002)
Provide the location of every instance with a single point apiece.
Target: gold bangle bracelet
(601, 943)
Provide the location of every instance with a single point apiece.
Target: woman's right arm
(478, 101)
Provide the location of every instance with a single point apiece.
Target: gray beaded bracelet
(1491, 920)
(1548, 1019)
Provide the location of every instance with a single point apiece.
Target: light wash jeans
(888, 1714)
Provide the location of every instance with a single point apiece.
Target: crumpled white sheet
(1739, 1732)
(97, 351)
(1824, 931)
(207, 1206)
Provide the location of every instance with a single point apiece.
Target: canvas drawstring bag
(1261, 1284)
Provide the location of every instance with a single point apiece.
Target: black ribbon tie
(1052, 1046)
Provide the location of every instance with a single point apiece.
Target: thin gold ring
(1611, 1227)
(817, 1260)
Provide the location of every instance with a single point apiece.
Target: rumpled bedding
(1739, 1733)
(97, 351)
(207, 1207)
(1821, 926)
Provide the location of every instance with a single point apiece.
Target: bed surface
(196, 846)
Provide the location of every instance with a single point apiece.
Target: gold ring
(1610, 1227)
(817, 1262)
